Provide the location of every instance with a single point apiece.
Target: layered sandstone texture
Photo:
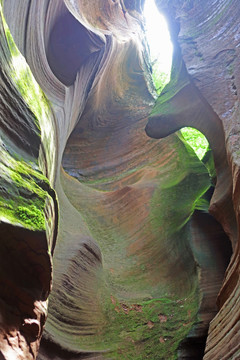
(115, 238)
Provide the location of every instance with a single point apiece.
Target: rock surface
(132, 241)
(209, 40)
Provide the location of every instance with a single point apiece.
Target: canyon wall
(132, 259)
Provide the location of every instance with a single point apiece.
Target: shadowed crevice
(69, 46)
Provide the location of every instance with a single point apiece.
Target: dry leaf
(161, 340)
(137, 307)
(150, 324)
(113, 300)
(162, 318)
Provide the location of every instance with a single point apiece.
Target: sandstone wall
(126, 239)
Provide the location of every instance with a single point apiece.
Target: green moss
(22, 190)
(28, 213)
(28, 181)
(179, 193)
(31, 216)
(22, 197)
(149, 329)
(11, 44)
(24, 79)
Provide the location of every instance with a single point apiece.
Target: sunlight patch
(160, 45)
(196, 140)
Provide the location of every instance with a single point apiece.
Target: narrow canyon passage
(138, 251)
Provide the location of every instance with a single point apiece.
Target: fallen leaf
(161, 340)
(113, 300)
(162, 318)
(137, 307)
(117, 309)
(150, 324)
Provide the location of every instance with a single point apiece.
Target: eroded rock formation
(132, 255)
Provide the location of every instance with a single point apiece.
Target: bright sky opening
(158, 38)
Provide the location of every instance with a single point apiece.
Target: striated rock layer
(137, 258)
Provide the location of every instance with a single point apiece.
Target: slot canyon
(116, 240)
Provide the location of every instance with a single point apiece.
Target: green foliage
(160, 78)
(196, 140)
(29, 91)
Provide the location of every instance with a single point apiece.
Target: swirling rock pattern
(132, 230)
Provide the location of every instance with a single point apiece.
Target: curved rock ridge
(137, 260)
